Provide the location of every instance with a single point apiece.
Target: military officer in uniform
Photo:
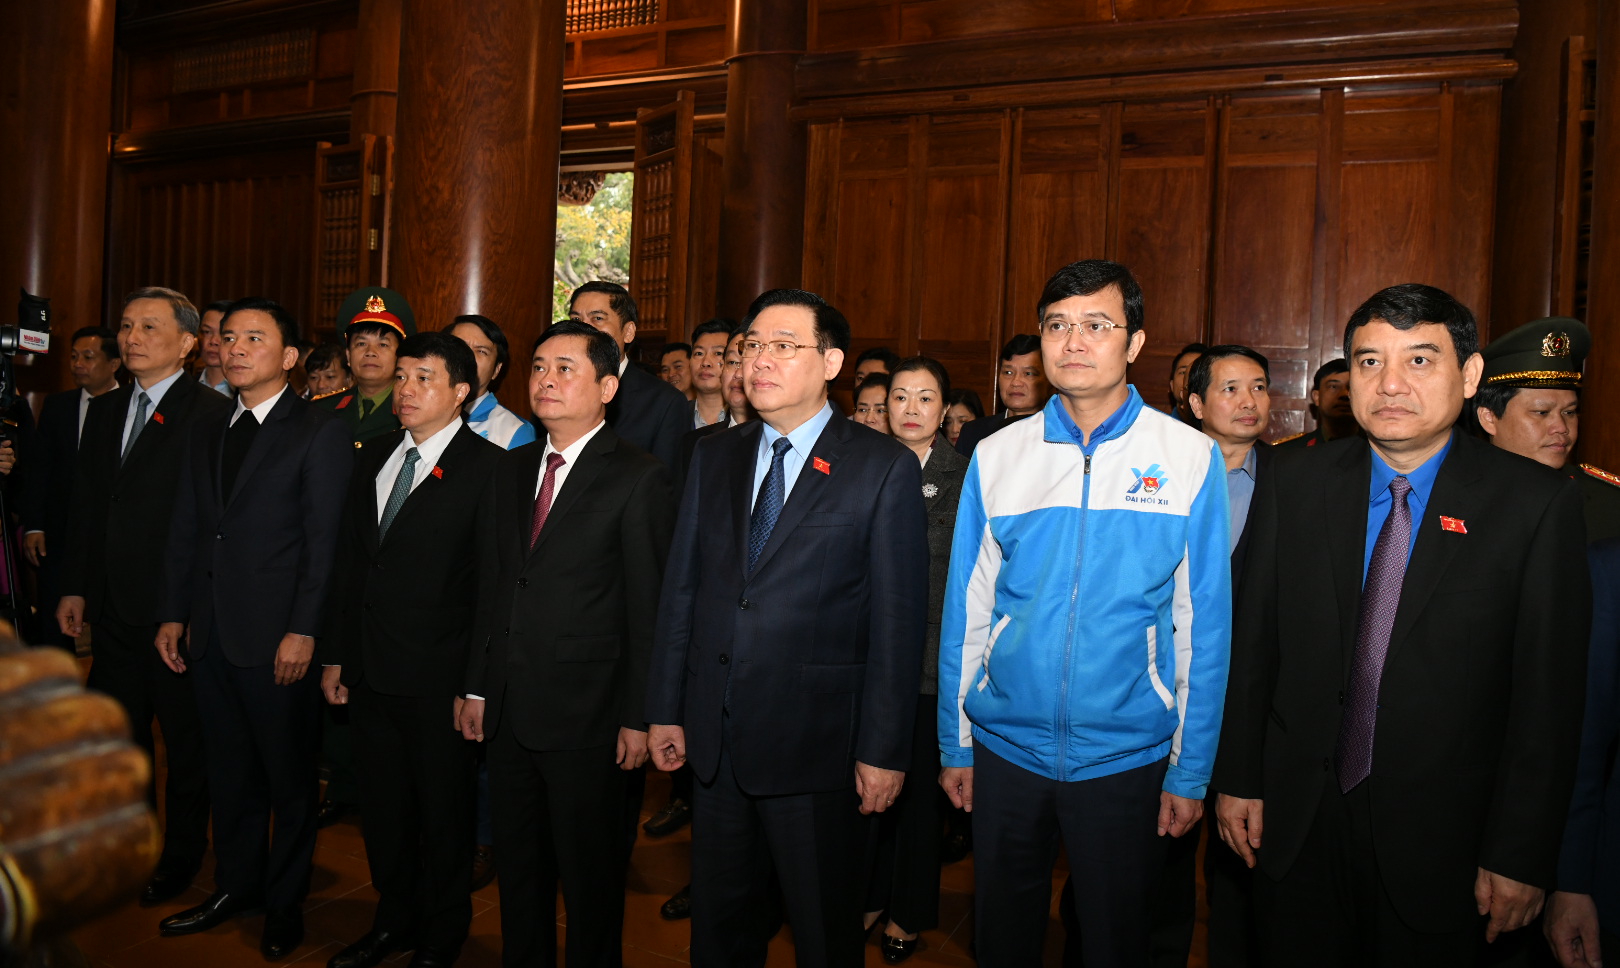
(1529, 402)
(372, 322)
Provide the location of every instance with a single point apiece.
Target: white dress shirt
(260, 412)
(430, 450)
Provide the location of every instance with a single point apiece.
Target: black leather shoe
(283, 933)
(483, 866)
(370, 950)
(167, 884)
(896, 950)
(330, 812)
(211, 913)
(676, 814)
(679, 907)
(432, 958)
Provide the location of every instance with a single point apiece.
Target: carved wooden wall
(218, 228)
(1262, 219)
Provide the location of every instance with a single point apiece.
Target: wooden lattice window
(588, 16)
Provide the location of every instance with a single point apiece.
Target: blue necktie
(768, 506)
(1380, 597)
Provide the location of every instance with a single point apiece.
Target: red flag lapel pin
(438, 472)
(821, 465)
(1453, 524)
(158, 417)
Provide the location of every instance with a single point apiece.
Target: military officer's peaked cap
(378, 306)
(1548, 353)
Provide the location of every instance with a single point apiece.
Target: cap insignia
(375, 305)
(1555, 344)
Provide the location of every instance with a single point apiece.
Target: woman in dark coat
(905, 872)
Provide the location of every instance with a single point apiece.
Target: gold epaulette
(1601, 474)
(330, 393)
(1284, 440)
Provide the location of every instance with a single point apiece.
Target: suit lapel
(427, 483)
(742, 486)
(525, 474)
(263, 442)
(808, 487)
(1345, 516)
(591, 461)
(1454, 495)
(173, 405)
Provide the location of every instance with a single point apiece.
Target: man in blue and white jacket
(1086, 633)
(486, 417)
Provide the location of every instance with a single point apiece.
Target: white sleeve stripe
(1181, 612)
(981, 603)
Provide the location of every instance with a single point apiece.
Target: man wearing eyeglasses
(1087, 626)
(789, 644)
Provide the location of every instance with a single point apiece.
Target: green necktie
(366, 406)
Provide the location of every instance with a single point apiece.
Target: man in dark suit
(1583, 915)
(248, 566)
(47, 475)
(1404, 744)
(789, 644)
(123, 492)
(1021, 386)
(558, 675)
(646, 411)
(416, 522)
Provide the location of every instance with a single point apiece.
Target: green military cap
(1546, 353)
(374, 304)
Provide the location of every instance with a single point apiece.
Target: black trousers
(1173, 906)
(1331, 908)
(559, 815)
(416, 776)
(1109, 826)
(261, 741)
(815, 842)
(128, 668)
(905, 871)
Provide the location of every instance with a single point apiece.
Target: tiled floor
(341, 902)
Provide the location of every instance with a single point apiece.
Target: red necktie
(542, 501)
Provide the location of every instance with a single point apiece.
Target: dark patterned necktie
(1380, 597)
(542, 501)
(768, 506)
(401, 491)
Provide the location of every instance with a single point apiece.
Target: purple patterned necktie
(1380, 597)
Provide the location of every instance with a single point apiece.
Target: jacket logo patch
(1148, 483)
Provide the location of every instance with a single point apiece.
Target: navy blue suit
(786, 676)
(245, 569)
(1589, 862)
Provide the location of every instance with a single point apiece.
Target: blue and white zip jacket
(1088, 613)
(498, 425)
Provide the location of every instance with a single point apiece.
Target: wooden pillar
(56, 112)
(762, 219)
(1600, 431)
(1526, 196)
(475, 200)
(376, 70)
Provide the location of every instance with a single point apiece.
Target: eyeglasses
(1090, 330)
(780, 349)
